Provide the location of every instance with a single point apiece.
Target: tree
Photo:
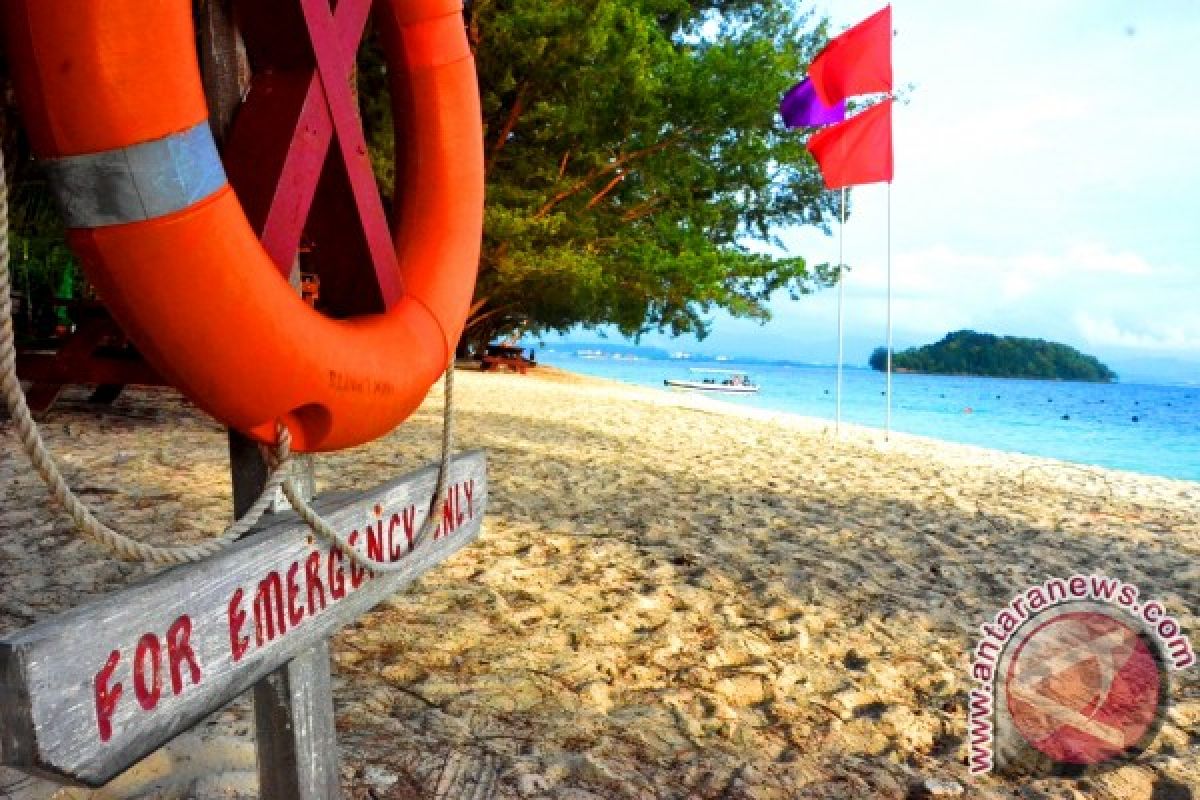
(636, 170)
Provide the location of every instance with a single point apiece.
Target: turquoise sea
(1081, 422)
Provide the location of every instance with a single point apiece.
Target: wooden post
(220, 66)
(297, 743)
(293, 706)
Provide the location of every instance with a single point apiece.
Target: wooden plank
(274, 158)
(335, 65)
(82, 358)
(277, 156)
(87, 694)
(86, 356)
(91, 369)
(220, 67)
(298, 757)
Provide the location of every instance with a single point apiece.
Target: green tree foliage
(971, 353)
(878, 359)
(634, 155)
(43, 268)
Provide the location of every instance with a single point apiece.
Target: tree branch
(641, 210)
(510, 124)
(474, 37)
(616, 181)
(477, 320)
(612, 166)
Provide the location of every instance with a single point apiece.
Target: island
(985, 354)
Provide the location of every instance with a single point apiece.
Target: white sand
(672, 597)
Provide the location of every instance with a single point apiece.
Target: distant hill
(608, 348)
(971, 353)
(650, 353)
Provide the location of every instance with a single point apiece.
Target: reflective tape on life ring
(110, 95)
(137, 183)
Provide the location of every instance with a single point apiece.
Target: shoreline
(859, 433)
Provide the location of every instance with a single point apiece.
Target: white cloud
(1181, 336)
(940, 267)
(1095, 258)
(1017, 285)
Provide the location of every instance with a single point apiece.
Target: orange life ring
(111, 97)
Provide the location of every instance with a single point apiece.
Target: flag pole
(888, 430)
(841, 303)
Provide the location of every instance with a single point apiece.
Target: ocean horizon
(1146, 428)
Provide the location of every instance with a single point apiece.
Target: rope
(130, 549)
(326, 531)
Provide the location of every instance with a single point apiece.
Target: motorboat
(722, 381)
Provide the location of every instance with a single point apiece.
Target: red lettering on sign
(375, 542)
(357, 574)
(107, 695)
(337, 574)
(238, 644)
(295, 615)
(469, 490)
(449, 517)
(179, 652)
(147, 695)
(394, 551)
(312, 576)
(269, 619)
(410, 525)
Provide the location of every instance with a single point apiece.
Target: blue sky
(1046, 185)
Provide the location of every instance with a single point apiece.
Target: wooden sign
(87, 694)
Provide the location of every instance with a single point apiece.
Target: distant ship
(734, 382)
(680, 355)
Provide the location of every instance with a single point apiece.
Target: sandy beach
(672, 598)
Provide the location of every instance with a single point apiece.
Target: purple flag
(801, 108)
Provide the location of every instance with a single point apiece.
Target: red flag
(857, 62)
(858, 150)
